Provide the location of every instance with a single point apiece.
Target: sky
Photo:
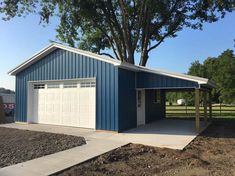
(20, 38)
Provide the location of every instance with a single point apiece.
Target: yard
(223, 111)
(211, 153)
(17, 146)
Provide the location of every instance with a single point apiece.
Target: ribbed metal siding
(127, 99)
(150, 80)
(61, 64)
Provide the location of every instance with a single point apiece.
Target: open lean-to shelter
(61, 85)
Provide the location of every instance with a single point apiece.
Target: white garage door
(68, 104)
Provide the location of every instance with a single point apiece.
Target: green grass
(180, 111)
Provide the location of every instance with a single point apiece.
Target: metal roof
(45, 51)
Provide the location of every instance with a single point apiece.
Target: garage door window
(70, 85)
(53, 86)
(39, 86)
(87, 84)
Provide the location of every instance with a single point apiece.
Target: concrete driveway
(174, 134)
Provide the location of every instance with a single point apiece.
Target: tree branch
(108, 37)
(126, 31)
(107, 54)
(158, 43)
(114, 26)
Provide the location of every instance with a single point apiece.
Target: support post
(205, 107)
(210, 106)
(197, 109)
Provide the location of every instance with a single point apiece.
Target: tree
(225, 76)
(197, 69)
(220, 69)
(125, 26)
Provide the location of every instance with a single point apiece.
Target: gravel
(17, 146)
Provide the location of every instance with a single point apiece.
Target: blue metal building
(62, 85)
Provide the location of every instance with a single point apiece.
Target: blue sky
(20, 38)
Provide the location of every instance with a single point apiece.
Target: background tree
(125, 26)
(197, 69)
(220, 69)
(224, 76)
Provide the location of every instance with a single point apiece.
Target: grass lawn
(211, 153)
(17, 146)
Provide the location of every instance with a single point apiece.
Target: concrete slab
(170, 133)
(174, 134)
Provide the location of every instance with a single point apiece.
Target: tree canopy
(125, 26)
(220, 69)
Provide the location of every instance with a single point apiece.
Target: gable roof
(45, 51)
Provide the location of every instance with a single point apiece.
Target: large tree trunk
(143, 59)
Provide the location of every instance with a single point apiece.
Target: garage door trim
(30, 118)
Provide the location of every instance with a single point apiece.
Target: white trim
(141, 116)
(32, 59)
(39, 55)
(163, 72)
(88, 54)
(30, 85)
(64, 80)
(29, 102)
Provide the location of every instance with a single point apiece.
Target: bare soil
(21, 145)
(211, 153)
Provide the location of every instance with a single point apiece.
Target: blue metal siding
(61, 64)
(150, 80)
(154, 111)
(127, 99)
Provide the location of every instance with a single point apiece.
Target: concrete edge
(201, 131)
(88, 160)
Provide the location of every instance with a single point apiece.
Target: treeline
(219, 69)
(6, 91)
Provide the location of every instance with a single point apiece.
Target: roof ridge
(85, 52)
(38, 55)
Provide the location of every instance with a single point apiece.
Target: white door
(68, 104)
(140, 107)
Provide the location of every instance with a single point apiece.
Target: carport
(159, 82)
